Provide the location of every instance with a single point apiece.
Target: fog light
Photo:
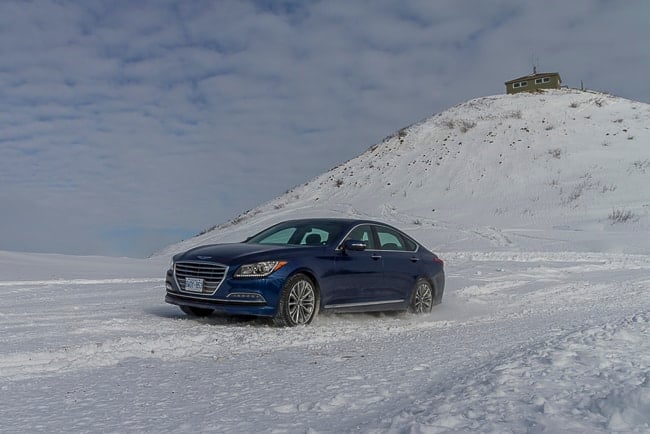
(246, 296)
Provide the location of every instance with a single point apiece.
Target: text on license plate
(193, 284)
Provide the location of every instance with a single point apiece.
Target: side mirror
(354, 245)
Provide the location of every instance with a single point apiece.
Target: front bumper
(258, 297)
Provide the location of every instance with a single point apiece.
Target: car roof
(349, 221)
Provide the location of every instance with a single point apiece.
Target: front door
(358, 273)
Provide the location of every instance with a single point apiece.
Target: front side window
(363, 233)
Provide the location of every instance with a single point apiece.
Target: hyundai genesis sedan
(295, 269)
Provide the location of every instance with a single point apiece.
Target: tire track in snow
(212, 338)
(162, 338)
(538, 380)
(59, 282)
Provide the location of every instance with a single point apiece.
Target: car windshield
(301, 233)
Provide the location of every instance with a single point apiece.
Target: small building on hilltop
(534, 82)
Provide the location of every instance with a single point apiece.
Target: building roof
(533, 76)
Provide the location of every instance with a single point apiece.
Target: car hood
(237, 252)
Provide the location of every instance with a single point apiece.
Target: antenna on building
(535, 61)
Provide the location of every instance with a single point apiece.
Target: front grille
(212, 275)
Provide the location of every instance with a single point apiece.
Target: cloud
(149, 119)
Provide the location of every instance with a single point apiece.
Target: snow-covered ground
(523, 342)
(539, 205)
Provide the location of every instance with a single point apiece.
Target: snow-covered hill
(528, 170)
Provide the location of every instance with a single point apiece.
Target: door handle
(376, 256)
(414, 259)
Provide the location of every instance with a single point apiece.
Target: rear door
(401, 263)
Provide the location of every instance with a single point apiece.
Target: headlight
(259, 269)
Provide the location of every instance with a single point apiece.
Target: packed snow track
(523, 342)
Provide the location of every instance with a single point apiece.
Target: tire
(299, 302)
(422, 297)
(196, 311)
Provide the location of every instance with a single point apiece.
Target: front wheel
(422, 298)
(299, 302)
(196, 311)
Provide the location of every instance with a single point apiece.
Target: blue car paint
(367, 280)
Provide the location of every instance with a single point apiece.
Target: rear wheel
(299, 302)
(422, 297)
(196, 311)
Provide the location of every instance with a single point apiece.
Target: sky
(126, 126)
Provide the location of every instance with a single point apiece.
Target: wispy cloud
(149, 119)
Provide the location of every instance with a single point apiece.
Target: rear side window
(390, 239)
(410, 244)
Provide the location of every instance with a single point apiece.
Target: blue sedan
(295, 269)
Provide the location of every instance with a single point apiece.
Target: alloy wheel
(423, 298)
(301, 302)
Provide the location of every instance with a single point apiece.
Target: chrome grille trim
(212, 274)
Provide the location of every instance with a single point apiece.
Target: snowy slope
(539, 207)
(493, 172)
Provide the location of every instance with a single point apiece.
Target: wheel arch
(437, 283)
(426, 279)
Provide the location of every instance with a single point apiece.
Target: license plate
(194, 285)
